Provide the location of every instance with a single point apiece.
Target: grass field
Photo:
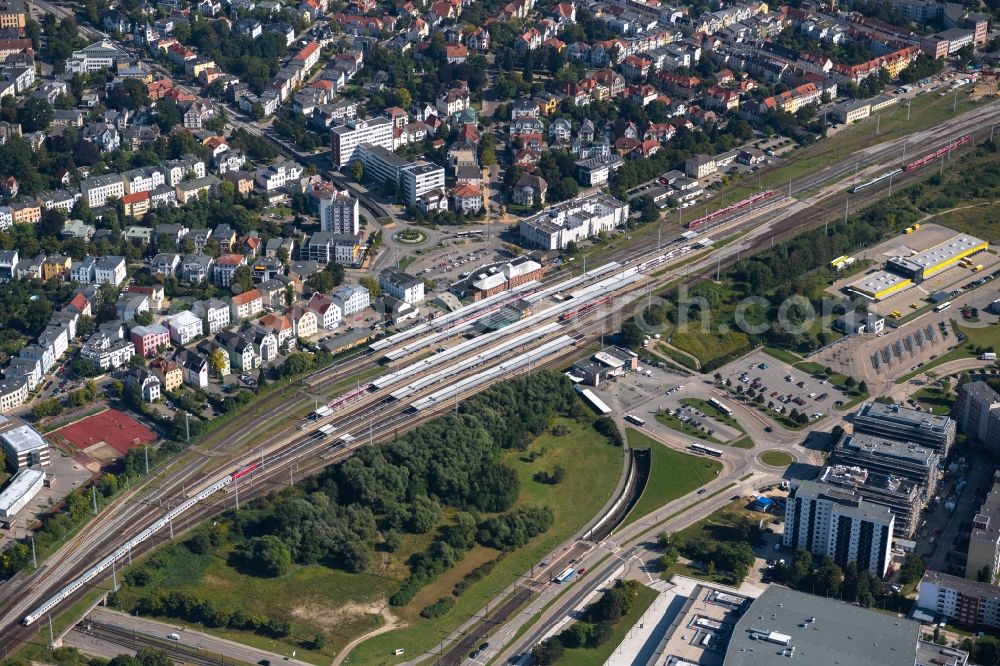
(706, 346)
(597, 656)
(593, 469)
(935, 400)
(342, 606)
(706, 408)
(673, 474)
(776, 458)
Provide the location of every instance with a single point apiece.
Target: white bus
(719, 406)
(943, 306)
(635, 419)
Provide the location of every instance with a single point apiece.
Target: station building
(608, 363)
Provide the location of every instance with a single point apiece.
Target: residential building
(149, 340)
(983, 561)
(169, 373)
(280, 326)
(339, 213)
(147, 383)
(225, 268)
(902, 423)
(851, 111)
(529, 190)
(574, 220)
(966, 603)
(977, 413)
(216, 314)
(401, 285)
(901, 495)
(13, 393)
(13, 15)
(829, 521)
(110, 269)
(175, 171)
(328, 313)
(83, 270)
(242, 355)
(595, 171)
(351, 298)
(194, 368)
(304, 321)
(246, 305)
(700, 166)
(108, 348)
(184, 327)
(165, 263)
(196, 268)
(275, 176)
(190, 190)
(345, 139)
(99, 189)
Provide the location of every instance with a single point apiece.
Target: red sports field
(111, 428)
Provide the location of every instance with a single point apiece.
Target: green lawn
(935, 400)
(776, 458)
(598, 655)
(673, 474)
(593, 469)
(742, 443)
(675, 423)
(706, 407)
(707, 346)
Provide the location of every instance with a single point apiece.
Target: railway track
(139, 508)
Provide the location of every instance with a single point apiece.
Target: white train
(122, 551)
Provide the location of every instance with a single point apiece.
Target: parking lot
(67, 475)
(782, 385)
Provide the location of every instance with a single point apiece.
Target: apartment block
(345, 139)
(964, 602)
(977, 412)
(829, 521)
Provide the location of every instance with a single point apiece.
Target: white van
(174, 637)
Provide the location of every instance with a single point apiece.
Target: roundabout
(410, 236)
(776, 458)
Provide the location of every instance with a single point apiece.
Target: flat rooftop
(820, 631)
(22, 484)
(953, 247)
(22, 438)
(891, 413)
(889, 448)
(879, 282)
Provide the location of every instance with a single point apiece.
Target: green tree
(372, 285)
(320, 281)
(549, 651)
(267, 555)
(35, 115)
(357, 172)
(243, 278)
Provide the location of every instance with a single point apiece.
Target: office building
(99, 55)
(784, 625)
(888, 456)
(345, 139)
(419, 179)
(966, 603)
(21, 490)
(22, 445)
(902, 423)
(339, 213)
(381, 164)
(977, 412)
(829, 521)
(983, 561)
(574, 221)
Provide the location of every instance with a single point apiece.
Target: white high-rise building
(339, 213)
(826, 520)
(345, 139)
